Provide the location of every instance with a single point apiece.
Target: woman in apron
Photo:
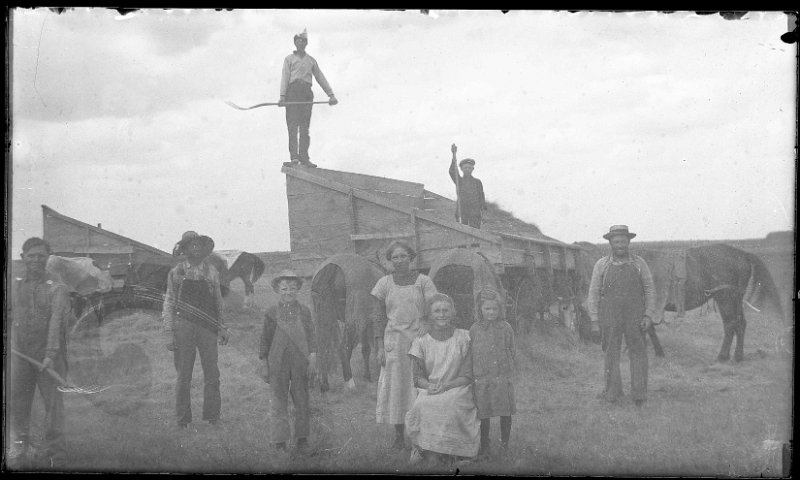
(400, 307)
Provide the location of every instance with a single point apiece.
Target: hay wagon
(133, 265)
(333, 212)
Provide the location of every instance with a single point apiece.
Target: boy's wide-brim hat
(206, 241)
(618, 230)
(466, 161)
(286, 274)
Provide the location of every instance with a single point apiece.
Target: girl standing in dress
(399, 309)
(492, 363)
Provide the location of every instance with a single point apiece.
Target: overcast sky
(681, 126)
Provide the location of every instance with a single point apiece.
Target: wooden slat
(540, 241)
(99, 249)
(380, 236)
(374, 183)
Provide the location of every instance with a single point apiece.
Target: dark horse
(247, 266)
(731, 277)
(342, 306)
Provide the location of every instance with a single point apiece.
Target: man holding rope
(298, 68)
(39, 316)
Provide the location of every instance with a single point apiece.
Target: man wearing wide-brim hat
(622, 298)
(193, 322)
(206, 243)
(471, 201)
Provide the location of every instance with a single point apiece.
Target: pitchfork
(231, 104)
(65, 387)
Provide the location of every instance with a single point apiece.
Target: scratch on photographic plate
(36, 70)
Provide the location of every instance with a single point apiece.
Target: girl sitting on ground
(443, 419)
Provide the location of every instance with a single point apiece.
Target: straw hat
(286, 274)
(618, 230)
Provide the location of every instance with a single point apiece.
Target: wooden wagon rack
(334, 212)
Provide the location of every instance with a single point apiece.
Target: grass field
(701, 417)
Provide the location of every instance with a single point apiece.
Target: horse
(342, 307)
(732, 278)
(727, 275)
(246, 266)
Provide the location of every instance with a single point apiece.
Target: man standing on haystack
(622, 296)
(471, 200)
(298, 68)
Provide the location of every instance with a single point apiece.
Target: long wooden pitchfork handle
(270, 104)
(40, 365)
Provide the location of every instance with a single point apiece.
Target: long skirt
(445, 423)
(396, 390)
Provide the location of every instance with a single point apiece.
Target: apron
(405, 306)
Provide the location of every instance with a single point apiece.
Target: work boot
(307, 163)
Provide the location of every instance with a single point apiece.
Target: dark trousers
(298, 119)
(191, 338)
(290, 379)
(622, 321)
(25, 377)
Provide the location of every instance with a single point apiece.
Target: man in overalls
(622, 295)
(38, 319)
(193, 322)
